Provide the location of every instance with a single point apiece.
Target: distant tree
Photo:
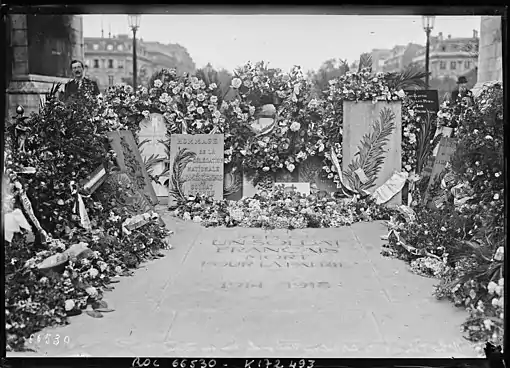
(142, 78)
(332, 68)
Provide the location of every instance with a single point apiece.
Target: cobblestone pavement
(249, 292)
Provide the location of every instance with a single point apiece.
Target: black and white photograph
(240, 182)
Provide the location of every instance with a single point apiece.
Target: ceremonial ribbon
(341, 185)
(28, 208)
(14, 222)
(82, 211)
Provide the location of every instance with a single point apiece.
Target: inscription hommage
(204, 175)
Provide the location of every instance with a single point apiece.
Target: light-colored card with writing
(361, 175)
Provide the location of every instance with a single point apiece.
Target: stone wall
(27, 89)
(490, 58)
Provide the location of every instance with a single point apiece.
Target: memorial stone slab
(154, 130)
(310, 171)
(358, 121)
(124, 145)
(204, 175)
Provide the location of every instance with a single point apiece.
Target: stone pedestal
(358, 121)
(490, 56)
(26, 88)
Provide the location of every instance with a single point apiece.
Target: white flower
(496, 196)
(197, 219)
(200, 110)
(291, 167)
(265, 168)
(475, 131)
(236, 83)
(93, 272)
(69, 305)
(497, 175)
(213, 99)
(243, 152)
(488, 137)
(401, 94)
(408, 167)
(488, 324)
(501, 281)
(295, 126)
(491, 287)
(158, 83)
(195, 86)
(213, 86)
(443, 228)
(102, 266)
(146, 114)
(43, 280)
(92, 291)
(195, 80)
(200, 97)
(186, 216)
(118, 270)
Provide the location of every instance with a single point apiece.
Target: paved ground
(249, 292)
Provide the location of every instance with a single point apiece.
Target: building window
(120, 64)
(453, 65)
(443, 48)
(467, 64)
(96, 63)
(120, 47)
(110, 80)
(109, 47)
(110, 63)
(95, 47)
(442, 65)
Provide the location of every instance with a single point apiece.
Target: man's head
(462, 82)
(77, 68)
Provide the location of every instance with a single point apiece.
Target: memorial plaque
(310, 171)
(359, 118)
(424, 100)
(130, 161)
(303, 188)
(153, 131)
(205, 174)
(447, 147)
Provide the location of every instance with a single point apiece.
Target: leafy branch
(182, 159)
(370, 156)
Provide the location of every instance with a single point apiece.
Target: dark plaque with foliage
(424, 100)
(130, 161)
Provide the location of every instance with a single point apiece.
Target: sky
(229, 41)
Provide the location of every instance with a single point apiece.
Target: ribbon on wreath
(344, 187)
(79, 206)
(27, 206)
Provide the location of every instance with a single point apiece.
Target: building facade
(450, 57)
(109, 60)
(379, 56)
(401, 57)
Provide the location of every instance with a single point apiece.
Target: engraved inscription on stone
(204, 175)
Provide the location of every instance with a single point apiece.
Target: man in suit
(80, 82)
(461, 91)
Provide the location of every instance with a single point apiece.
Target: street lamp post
(428, 25)
(134, 24)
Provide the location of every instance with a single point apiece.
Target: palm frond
(411, 77)
(426, 142)
(370, 156)
(142, 143)
(182, 159)
(235, 185)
